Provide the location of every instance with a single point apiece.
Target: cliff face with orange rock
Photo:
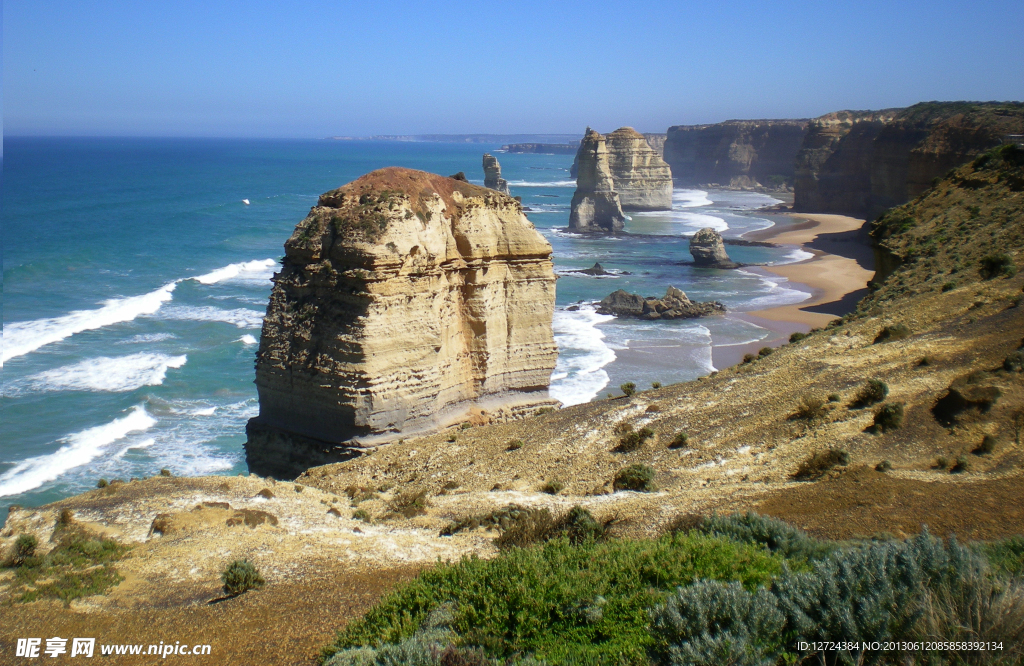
(407, 301)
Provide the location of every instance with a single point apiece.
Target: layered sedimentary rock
(736, 153)
(708, 250)
(833, 167)
(406, 300)
(656, 142)
(492, 174)
(595, 204)
(861, 163)
(640, 177)
(674, 305)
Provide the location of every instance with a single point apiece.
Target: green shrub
(884, 466)
(749, 358)
(948, 286)
(529, 527)
(579, 526)
(1014, 362)
(165, 472)
(925, 361)
(410, 503)
(102, 483)
(241, 576)
(655, 385)
(544, 410)
(552, 487)
(628, 389)
(962, 465)
(631, 441)
(834, 397)
(797, 337)
(891, 333)
(997, 265)
(363, 515)
(942, 462)
(1007, 556)
(765, 351)
(680, 441)
(24, 547)
(465, 425)
(820, 462)
(987, 446)
(888, 417)
(874, 391)
(515, 445)
(635, 477)
(810, 407)
(775, 535)
(562, 603)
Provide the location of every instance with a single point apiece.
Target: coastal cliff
(862, 163)
(595, 204)
(640, 176)
(406, 301)
(735, 153)
(492, 174)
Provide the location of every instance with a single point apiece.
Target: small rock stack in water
(492, 174)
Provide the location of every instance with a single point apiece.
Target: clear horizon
(227, 69)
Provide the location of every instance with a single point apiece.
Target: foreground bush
(241, 576)
(775, 535)
(562, 603)
(79, 565)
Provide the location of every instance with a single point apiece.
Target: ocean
(135, 280)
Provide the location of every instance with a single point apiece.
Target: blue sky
(313, 69)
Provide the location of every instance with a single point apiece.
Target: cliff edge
(407, 301)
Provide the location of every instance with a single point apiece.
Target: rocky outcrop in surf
(595, 204)
(673, 305)
(861, 163)
(743, 154)
(640, 177)
(492, 174)
(407, 301)
(708, 250)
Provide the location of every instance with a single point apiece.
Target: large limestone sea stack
(407, 301)
(708, 250)
(595, 205)
(640, 177)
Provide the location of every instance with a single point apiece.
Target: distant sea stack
(640, 177)
(708, 250)
(862, 163)
(406, 302)
(595, 205)
(738, 153)
(492, 174)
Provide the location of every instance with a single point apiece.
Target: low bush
(635, 477)
(874, 391)
(241, 576)
(631, 441)
(628, 389)
(987, 446)
(1014, 362)
(888, 417)
(797, 337)
(410, 503)
(102, 483)
(24, 548)
(809, 408)
(820, 462)
(765, 351)
(561, 603)
(948, 286)
(962, 465)
(749, 358)
(552, 487)
(884, 466)
(775, 535)
(655, 385)
(79, 565)
(363, 515)
(515, 445)
(1006, 556)
(997, 265)
(545, 410)
(680, 441)
(892, 333)
(834, 397)
(528, 528)
(165, 472)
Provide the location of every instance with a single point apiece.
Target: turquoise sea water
(135, 280)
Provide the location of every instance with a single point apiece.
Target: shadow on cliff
(855, 244)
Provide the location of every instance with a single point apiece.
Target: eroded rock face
(708, 250)
(640, 177)
(862, 163)
(492, 174)
(595, 204)
(405, 300)
(736, 153)
(674, 305)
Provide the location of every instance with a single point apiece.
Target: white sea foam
(795, 256)
(122, 373)
(147, 338)
(248, 271)
(22, 337)
(774, 294)
(582, 355)
(240, 317)
(78, 449)
(206, 411)
(697, 221)
(247, 339)
(690, 198)
(550, 183)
